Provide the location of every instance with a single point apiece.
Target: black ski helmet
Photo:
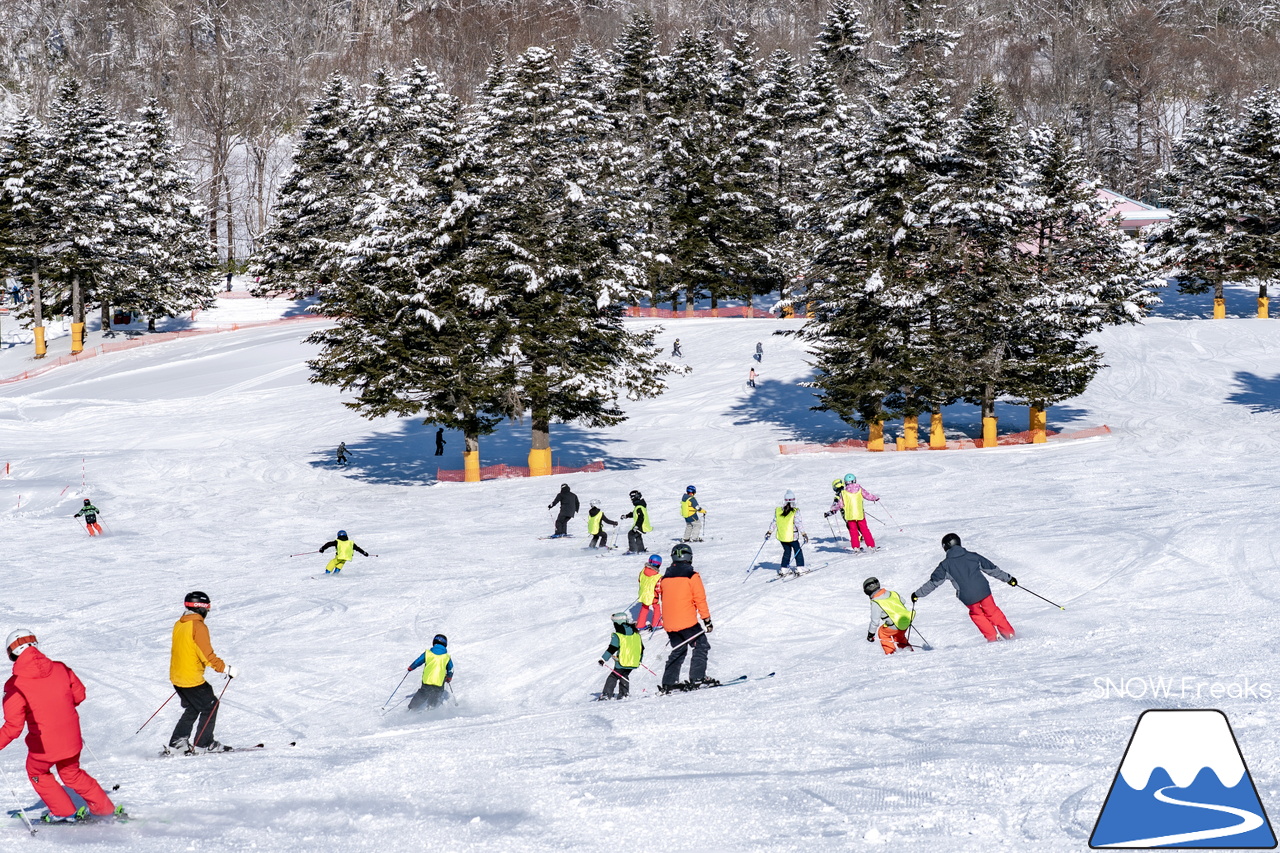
(682, 553)
(871, 586)
(86, 501)
(440, 640)
(950, 541)
(635, 496)
(196, 602)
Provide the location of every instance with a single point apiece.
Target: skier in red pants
(42, 696)
(965, 570)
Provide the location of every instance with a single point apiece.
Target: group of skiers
(596, 520)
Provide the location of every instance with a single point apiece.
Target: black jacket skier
(639, 512)
(568, 509)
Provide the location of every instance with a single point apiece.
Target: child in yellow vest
(651, 594)
(343, 550)
(437, 671)
(627, 651)
(890, 618)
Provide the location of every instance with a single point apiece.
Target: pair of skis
(741, 679)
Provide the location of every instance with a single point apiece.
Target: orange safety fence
(508, 472)
(699, 313)
(852, 444)
(157, 338)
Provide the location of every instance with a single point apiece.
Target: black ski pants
(620, 677)
(600, 540)
(430, 695)
(789, 548)
(562, 524)
(700, 645)
(635, 540)
(199, 709)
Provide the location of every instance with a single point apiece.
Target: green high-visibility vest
(435, 668)
(852, 501)
(640, 519)
(346, 549)
(897, 612)
(686, 507)
(594, 522)
(629, 650)
(786, 525)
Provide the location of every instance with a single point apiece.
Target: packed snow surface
(211, 461)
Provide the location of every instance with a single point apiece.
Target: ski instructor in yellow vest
(343, 550)
(890, 618)
(437, 671)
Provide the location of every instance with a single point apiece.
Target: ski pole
(304, 553)
(397, 690)
(22, 814)
(451, 693)
(894, 520)
(212, 712)
(927, 646)
(683, 642)
(158, 710)
(1041, 597)
(752, 568)
(831, 527)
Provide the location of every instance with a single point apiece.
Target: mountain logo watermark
(1183, 783)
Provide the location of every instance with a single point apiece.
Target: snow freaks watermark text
(1184, 687)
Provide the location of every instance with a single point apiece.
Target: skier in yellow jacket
(343, 550)
(191, 653)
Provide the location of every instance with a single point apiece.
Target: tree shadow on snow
(1258, 393)
(406, 456)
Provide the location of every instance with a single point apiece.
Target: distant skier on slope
(650, 595)
(684, 600)
(627, 651)
(965, 571)
(789, 526)
(890, 618)
(751, 378)
(759, 356)
(343, 552)
(639, 525)
(437, 671)
(848, 502)
(341, 453)
(440, 442)
(692, 514)
(675, 349)
(90, 513)
(596, 520)
(42, 696)
(569, 505)
(189, 655)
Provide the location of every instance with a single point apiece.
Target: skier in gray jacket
(965, 570)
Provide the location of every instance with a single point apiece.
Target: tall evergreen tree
(1252, 165)
(842, 43)
(27, 225)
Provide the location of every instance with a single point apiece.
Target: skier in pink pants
(848, 502)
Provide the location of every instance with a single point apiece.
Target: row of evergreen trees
(98, 211)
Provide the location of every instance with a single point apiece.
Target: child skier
(437, 671)
(627, 651)
(90, 513)
(639, 525)
(890, 618)
(675, 349)
(692, 514)
(848, 503)
(651, 593)
(342, 454)
(790, 529)
(596, 520)
(343, 550)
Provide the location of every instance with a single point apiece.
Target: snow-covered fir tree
(1252, 165)
(842, 43)
(27, 226)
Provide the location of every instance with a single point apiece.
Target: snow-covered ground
(210, 459)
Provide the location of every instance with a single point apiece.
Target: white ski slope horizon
(210, 459)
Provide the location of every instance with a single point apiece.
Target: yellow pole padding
(1037, 425)
(77, 338)
(471, 466)
(1219, 309)
(988, 432)
(1264, 307)
(901, 443)
(875, 437)
(40, 348)
(540, 462)
(788, 312)
(911, 431)
(937, 437)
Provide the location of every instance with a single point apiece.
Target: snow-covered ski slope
(210, 459)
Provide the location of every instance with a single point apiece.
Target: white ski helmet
(19, 641)
(789, 497)
(595, 502)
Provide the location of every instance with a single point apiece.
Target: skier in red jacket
(42, 695)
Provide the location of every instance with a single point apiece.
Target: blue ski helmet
(342, 534)
(440, 640)
(850, 479)
(689, 490)
(655, 560)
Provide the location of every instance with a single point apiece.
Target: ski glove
(231, 671)
(914, 598)
(871, 638)
(1013, 581)
(706, 625)
(768, 536)
(806, 538)
(601, 662)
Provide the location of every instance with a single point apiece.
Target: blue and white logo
(1183, 783)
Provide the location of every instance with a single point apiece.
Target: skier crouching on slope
(650, 595)
(596, 520)
(568, 509)
(90, 513)
(42, 695)
(343, 551)
(190, 653)
(848, 503)
(965, 570)
(627, 651)
(639, 525)
(684, 600)
(437, 671)
(790, 528)
(890, 618)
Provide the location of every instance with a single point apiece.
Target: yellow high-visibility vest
(435, 668)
